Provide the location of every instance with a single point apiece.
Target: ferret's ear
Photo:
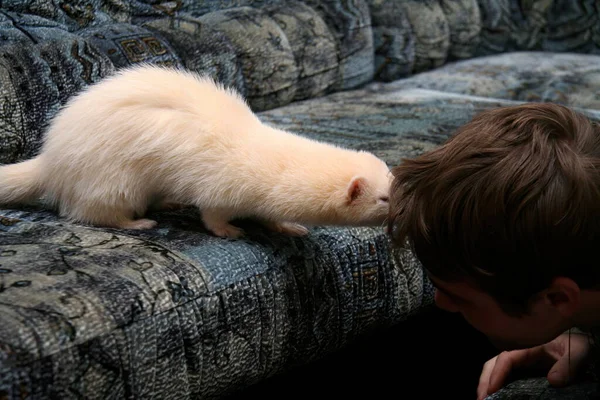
(355, 188)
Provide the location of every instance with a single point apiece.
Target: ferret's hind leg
(217, 221)
(101, 214)
(287, 228)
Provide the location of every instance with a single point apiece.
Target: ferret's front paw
(139, 224)
(227, 231)
(288, 228)
(217, 221)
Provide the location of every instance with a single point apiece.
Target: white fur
(150, 134)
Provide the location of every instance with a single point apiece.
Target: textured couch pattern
(570, 79)
(175, 313)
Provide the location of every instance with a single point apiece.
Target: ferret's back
(146, 110)
(154, 86)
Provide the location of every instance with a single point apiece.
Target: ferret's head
(364, 200)
(339, 188)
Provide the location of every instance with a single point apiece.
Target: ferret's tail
(20, 182)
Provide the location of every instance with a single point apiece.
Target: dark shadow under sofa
(174, 312)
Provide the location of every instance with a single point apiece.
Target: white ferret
(150, 135)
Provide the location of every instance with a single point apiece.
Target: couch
(175, 312)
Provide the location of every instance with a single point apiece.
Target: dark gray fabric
(37, 77)
(539, 389)
(557, 26)
(393, 40)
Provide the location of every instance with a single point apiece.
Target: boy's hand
(552, 358)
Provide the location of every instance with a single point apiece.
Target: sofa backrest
(411, 36)
(273, 51)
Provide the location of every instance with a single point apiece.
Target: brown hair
(510, 201)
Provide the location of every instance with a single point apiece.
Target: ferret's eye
(385, 199)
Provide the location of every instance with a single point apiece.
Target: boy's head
(505, 218)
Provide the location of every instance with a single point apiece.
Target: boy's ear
(355, 188)
(563, 295)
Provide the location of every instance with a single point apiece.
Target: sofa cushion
(565, 78)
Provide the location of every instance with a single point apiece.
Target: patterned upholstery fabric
(538, 388)
(176, 313)
(565, 78)
(416, 35)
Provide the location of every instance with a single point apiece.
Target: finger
(560, 373)
(566, 368)
(484, 378)
(511, 360)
